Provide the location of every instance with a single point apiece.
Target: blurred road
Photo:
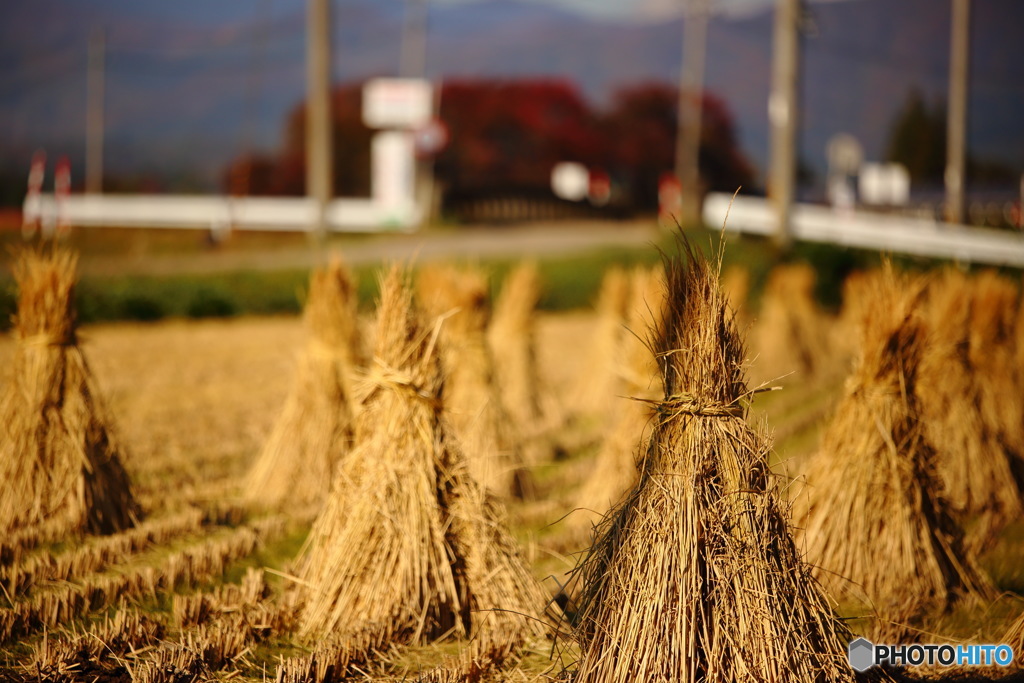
(506, 241)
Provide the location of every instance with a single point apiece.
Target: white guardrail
(391, 206)
(897, 234)
(220, 213)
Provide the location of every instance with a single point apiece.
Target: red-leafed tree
(723, 166)
(254, 174)
(506, 136)
(285, 173)
(640, 130)
(510, 134)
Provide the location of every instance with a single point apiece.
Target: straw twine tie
(382, 376)
(688, 404)
(49, 339)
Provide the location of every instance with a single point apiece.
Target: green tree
(917, 138)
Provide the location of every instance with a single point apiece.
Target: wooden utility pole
(782, 114)
(94, 113)
(956, 131)
(414, 40)
(691, 98)
(319, 142)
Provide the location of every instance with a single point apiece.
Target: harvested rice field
(668, 485)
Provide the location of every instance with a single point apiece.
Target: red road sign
(430, 138)
(30, 218)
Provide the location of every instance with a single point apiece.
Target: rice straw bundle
(512, 338)
(615, 470)
(408, 546)
(873, 509)
(846, 329)
(595, 394)
(992, 353)
(1019, 341)
(975, 470)
(736, 285)
(59, 462)
(313, 432)
(472, 402)
(503, 599)
(790, 335)
(696, 577)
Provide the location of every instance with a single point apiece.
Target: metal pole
(94, 113)
(691, 90)
(782, 114)
(956, 131)
(319, 144)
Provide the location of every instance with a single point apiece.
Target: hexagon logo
(861, 654)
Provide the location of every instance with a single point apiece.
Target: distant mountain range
(189, 90)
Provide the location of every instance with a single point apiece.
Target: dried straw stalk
(60, 656)
(475, 664)
(408, 546)
(975, 470)
(472, 401)
(595, 394)
(876, 523)
(615, 470)
(512, 338)
(59, 462)
(790, 336)
(313, 432)
(1015, 636)
(695, 576)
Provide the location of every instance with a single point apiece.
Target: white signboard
(397, 103)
